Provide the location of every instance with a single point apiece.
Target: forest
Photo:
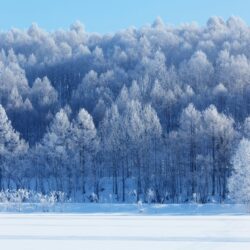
(154, 113)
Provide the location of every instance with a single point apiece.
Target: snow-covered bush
(150, 196)
(44, 201)
(14, 199)
(93, 198)
(140, 206)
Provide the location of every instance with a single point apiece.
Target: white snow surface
(124, 226)
(114, 232)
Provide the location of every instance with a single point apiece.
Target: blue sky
(112, 15)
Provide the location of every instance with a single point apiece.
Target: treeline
(155, 111)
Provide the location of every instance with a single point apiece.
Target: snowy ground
(112, 232)
(126, 209)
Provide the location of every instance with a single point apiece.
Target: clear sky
(112, 15)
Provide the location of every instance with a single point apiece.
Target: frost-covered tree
(190, 133)
(85, 143)
(42, 93)
(220, 135)
(239, 182)
(12, 148)
(114, 139)
(54, 149)
(143, 130)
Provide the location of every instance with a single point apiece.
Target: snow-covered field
(126, 209)
(113, 232)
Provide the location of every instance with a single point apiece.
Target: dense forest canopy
(153, 113)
